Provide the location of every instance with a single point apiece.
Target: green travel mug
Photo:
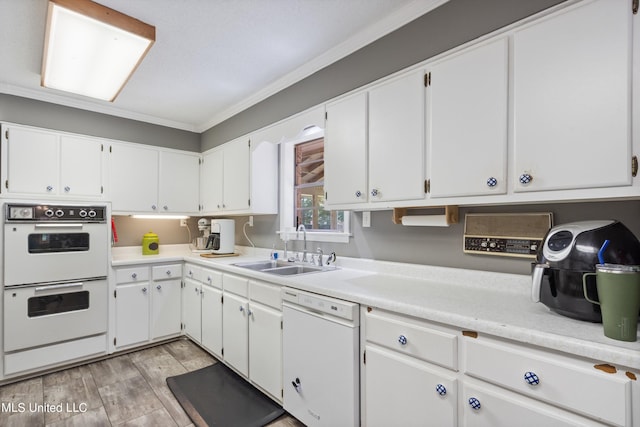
(619, 294)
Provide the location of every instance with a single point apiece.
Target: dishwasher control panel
(320, 303)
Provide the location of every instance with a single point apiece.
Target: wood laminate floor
(126, 390)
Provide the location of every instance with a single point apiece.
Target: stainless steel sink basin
(293, 269)
(283, 268)
(257, 265)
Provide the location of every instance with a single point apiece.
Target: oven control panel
(46, 212)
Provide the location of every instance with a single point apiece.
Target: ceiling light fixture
(151, 216)
(92, 50)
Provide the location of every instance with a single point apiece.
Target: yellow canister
(150, 244)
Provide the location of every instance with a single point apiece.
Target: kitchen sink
(283, 268)
(293, 269)
(257, 265)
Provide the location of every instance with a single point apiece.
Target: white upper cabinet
(240, 176)
(236, 178)
(211, 176)
(134, 178)
(225, 177)
(345, 150)
(38, 162)
(572, 99)
(150, 180)
(467, 122)
(396, 139)
(179, 178)
(374, 144)
(81, 166)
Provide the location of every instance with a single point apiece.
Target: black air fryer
(569, 251)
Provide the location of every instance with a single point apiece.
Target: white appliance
(320, 359)
(222, 239)
(200, 242)
(55, 294)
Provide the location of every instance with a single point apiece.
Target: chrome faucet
(304, 252)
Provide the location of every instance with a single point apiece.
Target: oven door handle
(58, 225)
(61, 286)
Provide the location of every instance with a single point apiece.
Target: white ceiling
(212, 58)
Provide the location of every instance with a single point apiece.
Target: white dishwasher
(320, 348)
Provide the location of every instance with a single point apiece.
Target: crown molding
(392, 22)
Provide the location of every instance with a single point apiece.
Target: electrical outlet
(183, 222)
(250, 220)
(366, 218)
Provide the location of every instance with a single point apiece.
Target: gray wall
(31, 112)
(450, 25)
(438, 245)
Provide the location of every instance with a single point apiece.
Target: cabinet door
(235, 332)
(132, 314)
(404, 391)
(572, 99)
(211, 181)
(165, 308)
(32, 161)
(191, 309)
(396, 139)
(212, 320)
(345, 151)
(467, 124)
(236, 175)
(265, 348)
(134, 179)
(81, 167)
(486, 406)
(179, 182)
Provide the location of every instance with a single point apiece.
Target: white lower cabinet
(252, 332)
(488, 406)
(147, 304)
(202, 307)
(401, 390)
(265, 337)
(403, 383)
(559, 380)
(235, 331)
(165, 300)
(417, 373)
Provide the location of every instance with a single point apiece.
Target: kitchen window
(302, 190)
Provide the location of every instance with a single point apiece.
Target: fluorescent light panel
(151, 216)
(92, 50)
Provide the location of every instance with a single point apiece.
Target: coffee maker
(569, 251)
(222, 237)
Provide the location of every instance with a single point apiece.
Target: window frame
(287, 195)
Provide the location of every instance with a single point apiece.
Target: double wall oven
(55, 283)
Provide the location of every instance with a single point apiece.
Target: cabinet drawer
(485, 405)
(132, 275)
(193, 272)
(212, 278)
(171, 271)
(570, 383)
(266, 294)
(235, 284)
(413, 337)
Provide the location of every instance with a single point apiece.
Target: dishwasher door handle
(296, 384)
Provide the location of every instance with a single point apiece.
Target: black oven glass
(60, 303)
(58, 242)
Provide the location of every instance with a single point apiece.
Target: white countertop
(498, 304)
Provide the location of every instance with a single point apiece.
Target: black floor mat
(216, 396)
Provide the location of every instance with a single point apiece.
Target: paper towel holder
(449, 217)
